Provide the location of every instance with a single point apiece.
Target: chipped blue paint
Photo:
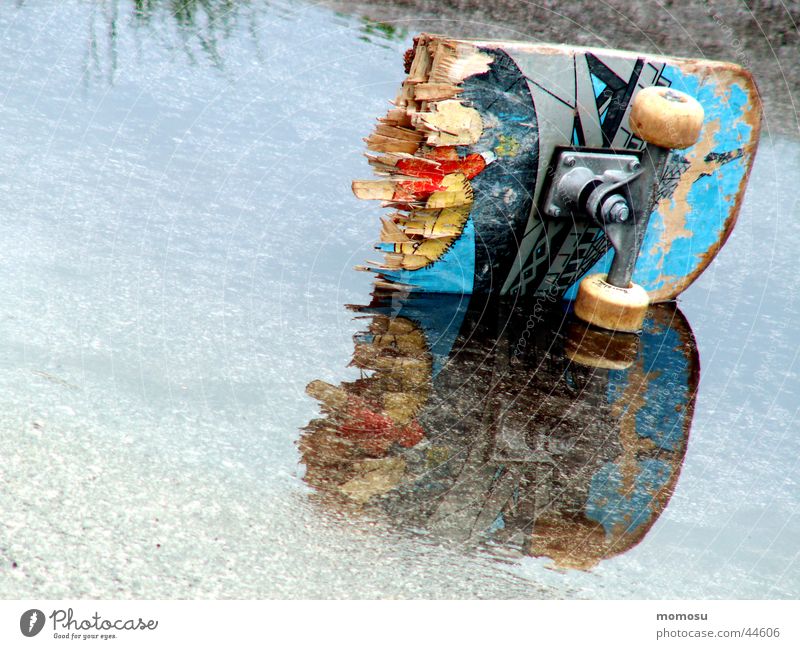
(665, 362)
(662, 417)
(710, 199)
(613, 506)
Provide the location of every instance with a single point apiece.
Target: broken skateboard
(518, 168)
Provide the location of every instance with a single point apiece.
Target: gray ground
(762, 35)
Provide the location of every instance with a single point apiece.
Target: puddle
(179, 236)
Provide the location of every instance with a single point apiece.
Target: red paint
(432, 171)
(375, 431)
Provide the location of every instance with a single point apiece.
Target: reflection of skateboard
(474, 425)
(477, 147)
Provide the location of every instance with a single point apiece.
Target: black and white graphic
(31, 622)
(583, 100)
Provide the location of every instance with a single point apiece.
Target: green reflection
(382, 31)
(197, 28)
(206, 22)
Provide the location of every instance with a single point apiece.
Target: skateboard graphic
(554, 441)
(518, 169)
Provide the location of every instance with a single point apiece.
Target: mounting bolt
(634, 165)
(569, 161)
(555, 211)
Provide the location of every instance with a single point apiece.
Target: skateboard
(519, 168)
(555, 441)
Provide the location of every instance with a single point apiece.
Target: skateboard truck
(618, 192)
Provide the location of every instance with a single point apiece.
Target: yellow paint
(457, 192)
(452, 206)
(508, 147)
(398, 352)
(401, 407)
(430, 249)
(374, 477)
(437, 455)
(447, 222)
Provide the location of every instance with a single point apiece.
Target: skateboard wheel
(610, 307)
(665, 117)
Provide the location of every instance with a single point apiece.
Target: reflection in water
(375, 31)
(206, 21)
(483, 423)
(188, 25)
(197, 28)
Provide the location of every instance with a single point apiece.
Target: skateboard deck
(465, 151)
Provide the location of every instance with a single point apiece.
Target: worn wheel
(610, 307)
(665, 117)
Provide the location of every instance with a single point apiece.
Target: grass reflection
(372, 31)
(206, 22)
(198, 28)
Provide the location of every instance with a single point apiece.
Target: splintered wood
(423, 178)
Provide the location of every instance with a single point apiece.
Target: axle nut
(615, 209)
(620, 212)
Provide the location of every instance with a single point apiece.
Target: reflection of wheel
(665, 117)
(599, 349)
(611, 307)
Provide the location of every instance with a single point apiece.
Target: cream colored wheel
(611, 307)
(665, 117)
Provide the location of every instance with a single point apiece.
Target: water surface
(178, 239)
